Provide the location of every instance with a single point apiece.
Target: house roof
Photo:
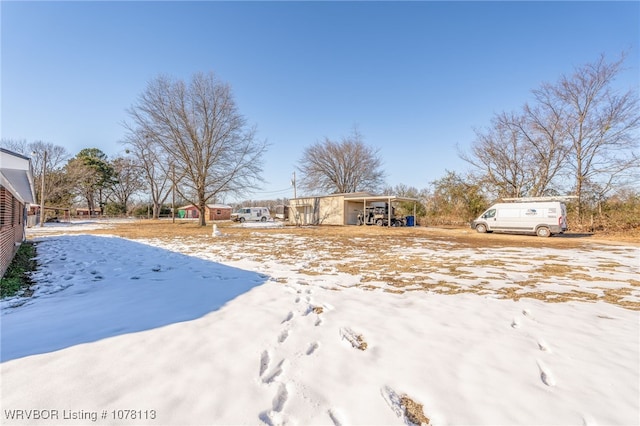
(211, 206)
(18, 183)
(13, 153)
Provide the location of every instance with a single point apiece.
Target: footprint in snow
(312, 348)
(543, 346)
(274, 416)
(277, 371)
(334, 418)
(515, 323)
(281, 398)
(283, 336)
(527, 313)
(287, 318)
(545, 374)
(264, 362)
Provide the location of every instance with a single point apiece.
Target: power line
(273, 192)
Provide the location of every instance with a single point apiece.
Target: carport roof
(363, 196)
(387, 198)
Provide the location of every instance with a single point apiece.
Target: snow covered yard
(277, 327)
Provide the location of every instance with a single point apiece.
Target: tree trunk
(202, 220)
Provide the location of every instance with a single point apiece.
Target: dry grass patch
(413, 411)
(609, 265)
(356, 340)
(488, 262)
(616, 296)
(383, 257)
(554, 269)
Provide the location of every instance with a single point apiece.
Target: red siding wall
(11, 227)
(219, 214)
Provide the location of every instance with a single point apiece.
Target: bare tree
(15, 145)
(600, 125)
(503, 155)
(127, 181)
(542, 128)
(57, 186)
(407, 207)
(202, 136)
(150, 158)
(577, 127)
(341, 167)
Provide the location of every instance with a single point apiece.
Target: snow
(214, 330)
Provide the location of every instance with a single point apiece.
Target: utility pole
(44, 168)
(293, 183)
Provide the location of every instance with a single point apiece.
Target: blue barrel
(410, 221)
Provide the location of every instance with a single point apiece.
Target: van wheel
(379, 222)
(241, 220)
(263, 219)
(481, 228)
(543, 231)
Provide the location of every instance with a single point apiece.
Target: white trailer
(542, 218)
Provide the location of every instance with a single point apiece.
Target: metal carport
(384, 198)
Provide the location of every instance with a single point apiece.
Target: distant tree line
(187, 143)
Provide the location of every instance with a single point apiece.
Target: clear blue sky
(415, 77)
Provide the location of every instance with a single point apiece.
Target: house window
(218, 212)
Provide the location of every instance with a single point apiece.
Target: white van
(542, 218)
(258, 214)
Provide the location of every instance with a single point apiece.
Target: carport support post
(389, 213)
(364, 212)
